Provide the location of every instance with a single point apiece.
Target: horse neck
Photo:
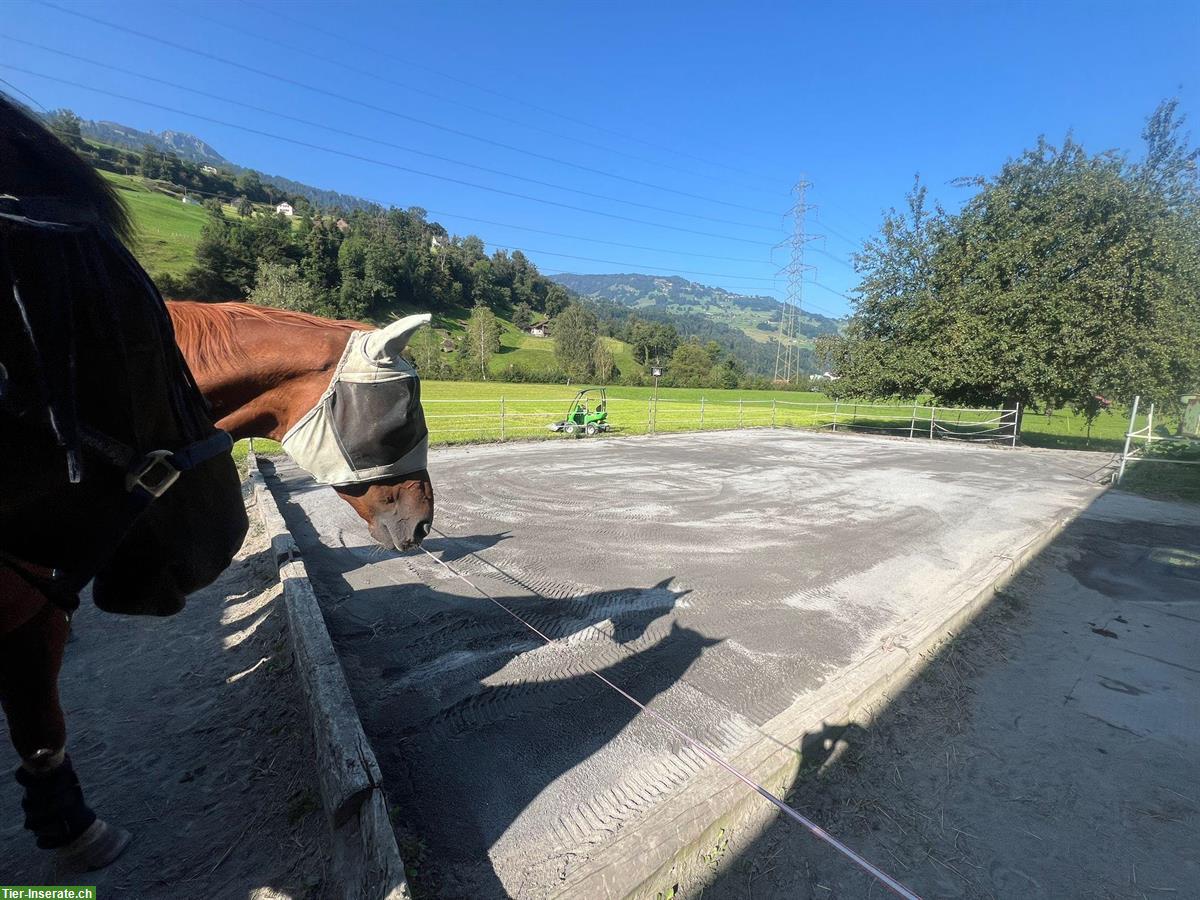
(267, 375)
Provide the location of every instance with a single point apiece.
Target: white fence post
(1016, 422)
(836, 404)
(772, 412)
(912, 426)
(741, 408)
(1150, 427)
(701, 412)
(1128, 438)
(932, 418)
(501, 417)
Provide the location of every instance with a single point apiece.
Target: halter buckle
(154, 474)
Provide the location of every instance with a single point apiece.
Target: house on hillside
(190, 201)
(209, 170)
(285, 209)
(540, 328)
(342, 225)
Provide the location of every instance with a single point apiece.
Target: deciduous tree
(1067, 277)
(483, 338)
(575, 336)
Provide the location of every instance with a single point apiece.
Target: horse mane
(206, 332)
(38, 162)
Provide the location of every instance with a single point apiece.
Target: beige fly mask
(368, 424)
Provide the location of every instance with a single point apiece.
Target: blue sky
(728, 103)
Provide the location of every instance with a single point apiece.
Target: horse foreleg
(55, 811)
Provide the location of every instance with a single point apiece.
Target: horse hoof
(100, 845)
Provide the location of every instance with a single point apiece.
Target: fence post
(741, 407)
(912, 426)
(772, 412)
(1128, 438)
(650, 416)
(501, 417)
(701, 412)
(1016, 422)
(1150, 427)
(932, 418)
(836, 404)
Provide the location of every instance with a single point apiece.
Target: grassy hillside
(517, 348)
(168, 230)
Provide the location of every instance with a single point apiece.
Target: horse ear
(385, 344)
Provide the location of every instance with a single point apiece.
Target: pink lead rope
(812, 826)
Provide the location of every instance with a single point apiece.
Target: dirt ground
(1052, 750)
(190, 732)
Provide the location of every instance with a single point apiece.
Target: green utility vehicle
(588, 414)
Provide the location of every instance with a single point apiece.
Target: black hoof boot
(100, 845)
(57, 815)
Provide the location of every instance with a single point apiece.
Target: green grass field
(471, 411)
(467, 412)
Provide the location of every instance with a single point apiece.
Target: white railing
(1139, 443)
(505, 418)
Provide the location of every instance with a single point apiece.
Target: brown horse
(263, 370)
(112, 471)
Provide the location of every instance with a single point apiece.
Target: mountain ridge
(189, 147)
(756, 315)
(186, 146)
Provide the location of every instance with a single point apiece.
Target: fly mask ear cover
(368, 424)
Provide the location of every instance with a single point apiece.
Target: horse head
(366, 436)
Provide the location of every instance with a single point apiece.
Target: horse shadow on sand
(478, 725)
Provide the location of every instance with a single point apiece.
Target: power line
(443, 98)
(369, 138)
(31, 99)
(613, 262)
(519, 100)
(836, 259)
(527, 250)
(378, 162)
(577, 237)
(385, 110)
(630, 265)
(574, 237)
(402, 168)
(855, 242)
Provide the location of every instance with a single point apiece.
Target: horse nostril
(422, 530)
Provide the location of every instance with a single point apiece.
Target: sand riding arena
(753, 587)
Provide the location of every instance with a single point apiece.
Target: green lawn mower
(587, 415)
